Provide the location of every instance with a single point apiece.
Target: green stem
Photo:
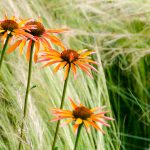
(77, 137)
(4, 49)
(27, 92)
(61, 106)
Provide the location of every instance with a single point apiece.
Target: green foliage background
(119, 32)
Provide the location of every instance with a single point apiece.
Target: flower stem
(4, 49)
(77, 137)
(27, 92)
(61, 106)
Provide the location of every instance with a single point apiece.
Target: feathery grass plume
(10, 28)
(81, 115)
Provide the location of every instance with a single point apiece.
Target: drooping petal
(84, 69)
(14, 46)
(89, 66)
(102, 122)
(107, 118)
(28, 50)
(74, 70)
(66, 71)
(75, 128)
(45, 43)
(56, 41)
(22, 45)
(96, 127)
(37, 47)
(86, 124)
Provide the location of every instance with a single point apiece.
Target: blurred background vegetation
(119, 32)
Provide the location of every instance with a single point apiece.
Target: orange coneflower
(13, 27)
(41, 35)
(69, 59)
(82, 115)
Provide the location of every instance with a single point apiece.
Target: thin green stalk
(4, 49)
(61, 106)
(77, 137)
(27, 92)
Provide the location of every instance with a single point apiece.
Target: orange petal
(94, 109)
(66, 71)
(89, 60)
(85, 54)
(56, 41)
(57, 30)
(75, 128)
(28, 50)
(37, 46)
(84, 69)
(86, 124)
(74, 106)
(45, 43)
(74, 70)
(102, 122)
(96, 127)
(107, 118)
(57, 68)
(22, 45)
(5, 17)
(51, 62)
(91, 67)
(14, 46)
(12, 18)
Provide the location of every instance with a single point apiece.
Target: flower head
(69, 59)
(41, 36)
(14, 27)
(82, 115)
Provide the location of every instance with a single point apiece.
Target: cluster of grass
(119, 32)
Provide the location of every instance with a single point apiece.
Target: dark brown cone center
(69, 55)
(82, 112)
(39, 28)
(9, 25)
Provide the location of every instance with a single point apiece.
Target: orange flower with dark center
(14, 27)
(9, 25)
(82, 112)
(39, 30)
(69, 55)
(82, 115)
(41, 36)
(68, 59)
